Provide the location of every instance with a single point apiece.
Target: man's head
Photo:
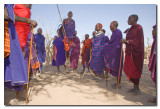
(39, 30)
(86, 36)
(104, 31)
(113, 25)
(94, 34)
(98, 27)
(70, 14)
(132, 19)
(58, 31)
(154, 31)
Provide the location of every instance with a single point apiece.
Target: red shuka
(135, 48)
(22, 28)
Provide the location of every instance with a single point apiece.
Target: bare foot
(18, 95)
(67, 71)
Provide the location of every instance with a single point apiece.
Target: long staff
(29, 64)
(120, 68)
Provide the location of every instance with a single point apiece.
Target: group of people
(99, 53)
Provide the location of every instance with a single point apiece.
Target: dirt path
(69, 89)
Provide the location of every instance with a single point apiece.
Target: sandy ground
(54, 88)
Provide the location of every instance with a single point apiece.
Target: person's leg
(18, 95)
(95, 74)
(41, 66)
(67, 62)
(133, 89)
(136, 84)
(88, 69)
(106, 76)
(83, 70)
(75, 70)
(58, 69)
(65, 67)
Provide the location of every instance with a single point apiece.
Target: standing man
(15, 72)
(40, 46)
(59, 51)
(86, 52)
(112, 52)
(22, 28)
(152, 59)
(134, 53)
(75, 53)
(97, 59)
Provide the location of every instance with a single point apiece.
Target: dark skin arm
(19, 19)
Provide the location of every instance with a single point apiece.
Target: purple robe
(152, 60)
(60, 56)
(15, 75)
(40, 47)
(112, 53)
(26, 49)
(97, 59)
(69, 27)
(107, 39)
(75, 52)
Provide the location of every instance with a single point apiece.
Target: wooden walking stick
(106, 76)
(29, 64)
(120, 68)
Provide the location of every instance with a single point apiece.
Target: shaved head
(98, 27)
(86, 36)
(135, 17)
(93, 33)
(113, 25)
(70, 14)
(132, 19)
(39, 30)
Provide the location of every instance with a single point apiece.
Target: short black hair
(135, 17)
(70, 12)
(87, 35)
(39, 29)
(115, 23)
(104, 31)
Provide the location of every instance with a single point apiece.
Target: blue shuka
(15, 75)
(40, 47)
(97, 59)
(69, 27)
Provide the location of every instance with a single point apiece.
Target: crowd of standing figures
(24, 52)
